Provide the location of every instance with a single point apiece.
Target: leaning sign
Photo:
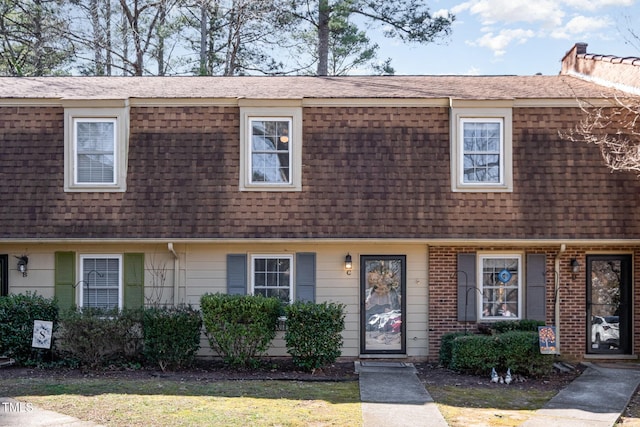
(42, 331)
(547, 339)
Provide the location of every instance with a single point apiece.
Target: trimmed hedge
(171, 336)
(240, 327)
(517, 350)
(446, 348)
(17, 313)
(314, 333)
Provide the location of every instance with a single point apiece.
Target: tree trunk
(324, 14)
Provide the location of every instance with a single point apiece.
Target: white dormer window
(96, 149)
(271, 148)
(481, 147)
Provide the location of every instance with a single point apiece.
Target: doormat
(386, 364)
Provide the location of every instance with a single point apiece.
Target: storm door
(4, 275)
(609, 304)
(382, 313)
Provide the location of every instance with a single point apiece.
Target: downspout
(556, 293)
(176, 271)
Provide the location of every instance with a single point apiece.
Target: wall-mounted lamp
(348, 264)
(22, 264)
(575, 267)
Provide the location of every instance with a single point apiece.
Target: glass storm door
(609, 304)
(382, 312)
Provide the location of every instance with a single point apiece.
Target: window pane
(270, 151)
(500, 287)
(95, 145)
(481, 152)
(274, 280)
(100, 282)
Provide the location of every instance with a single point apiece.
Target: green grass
(121, 402)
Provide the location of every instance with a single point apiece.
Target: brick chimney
(605, 70)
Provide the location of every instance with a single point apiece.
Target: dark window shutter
(305, 276)
(237, 274)
(133, 280)
(467, 293)
(65, 279)
(536, 287)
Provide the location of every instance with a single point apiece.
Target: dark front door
(382, 290)
(4, 275)
(609, 304)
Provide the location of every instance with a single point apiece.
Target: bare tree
(615, 129)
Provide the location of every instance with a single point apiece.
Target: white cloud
(592, 5)
(498, 42)
(581, 26)
(547, 12)
(442, 13)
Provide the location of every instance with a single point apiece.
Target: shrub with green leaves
(240, 328)
(446, 347)
(515, 350)
(95, 337)
(314, 333)
(171, 336)
(17, 313)
(515, 325)
(521, 353)
(475, 354)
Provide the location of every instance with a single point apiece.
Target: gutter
(176, 270)
(556, 292)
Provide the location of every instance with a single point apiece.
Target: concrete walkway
(392, 395)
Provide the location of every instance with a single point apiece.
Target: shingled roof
(390, 87)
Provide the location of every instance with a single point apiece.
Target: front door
(609, 304)
(382, 290)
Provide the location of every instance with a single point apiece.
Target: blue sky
(522, 37)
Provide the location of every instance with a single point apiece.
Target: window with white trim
(101, 283)
(95, 149)
(481, 149)
(500, 286)
(270, 149)
(272, 276)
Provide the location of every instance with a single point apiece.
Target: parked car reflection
(605, 331)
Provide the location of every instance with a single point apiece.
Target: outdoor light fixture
(348, 264)
(22, 264)
(575, 267)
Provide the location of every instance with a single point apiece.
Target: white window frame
(293, 115)
(290, 257)
(118, 116)
(82, 285)
(480, 281)
(460, 116)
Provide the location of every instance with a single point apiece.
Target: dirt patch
(284, 369)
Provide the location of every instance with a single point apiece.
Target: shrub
(314, 333)
(95, 337)
(516, 350)
(239, 327)
(171, 336)
(17, 313)
(475, 354)
(446, 347)
(521, 352)
(515, 325)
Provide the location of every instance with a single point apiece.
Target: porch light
(348, 264)
(575, 267)
(22, 264)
